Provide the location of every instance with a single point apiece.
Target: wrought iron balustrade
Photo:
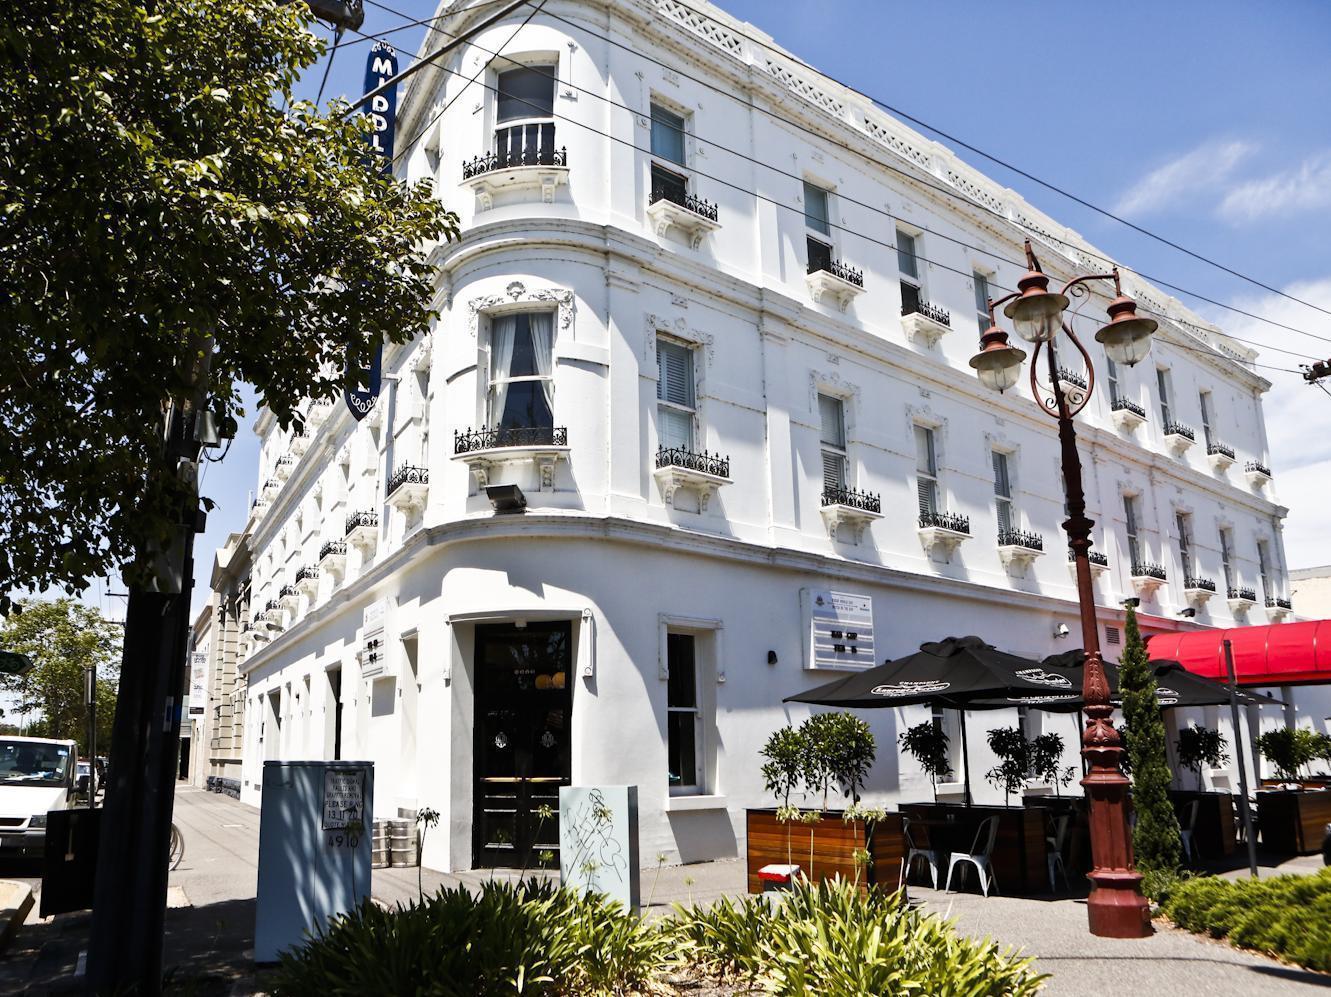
(1257, 467)
(1094, 556)
(670, 192)
(1278, 603)
(838, 269)
(272, 606)
(1072, 377)
(1128, 405)
(852, 499)
(955, 522)
(512, 158)
(498, 437)
(366, 517)
(704, 462)
(333, 547)
(1205, 584)
(308, 571)
(1220, 448)
(1239, 592)
(288, 591)
(932, 312)
(408, 474)
(1178, 429)
(1146, 569)
(1020, 538)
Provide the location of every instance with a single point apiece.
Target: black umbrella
(959, 672)
(1175, 686)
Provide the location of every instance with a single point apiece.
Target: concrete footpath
(209, 927)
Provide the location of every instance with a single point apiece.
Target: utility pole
(129, 899)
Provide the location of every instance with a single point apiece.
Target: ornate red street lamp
(1117, 908)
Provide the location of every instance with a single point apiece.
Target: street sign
(380, 67)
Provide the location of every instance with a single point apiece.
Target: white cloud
(1306, 188)
(1297, 414)
(1204, 168)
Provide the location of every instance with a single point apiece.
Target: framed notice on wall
(840, 630)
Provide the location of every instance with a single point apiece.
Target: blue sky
(1205, 122)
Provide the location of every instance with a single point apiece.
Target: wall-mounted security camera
(1061, 630)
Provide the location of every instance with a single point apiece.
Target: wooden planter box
(1215, 835)
(1293, 822)
(834, 844)
(1019, 857)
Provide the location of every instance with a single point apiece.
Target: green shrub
(1289, 749)
(1014, 754)
(831, 939)
(927, 743)
(1287, 916)
(1197, 746)
(529, 939)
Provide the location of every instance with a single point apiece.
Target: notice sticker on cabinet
(344, 798)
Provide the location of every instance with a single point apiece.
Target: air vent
(1112, 636)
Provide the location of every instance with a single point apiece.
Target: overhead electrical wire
(403, 148)
(1014, 169)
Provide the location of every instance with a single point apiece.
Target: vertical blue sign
(380, 67)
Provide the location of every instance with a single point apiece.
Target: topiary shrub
(1046, 754)
(839, 752)
(1155, 839)
(1014, 760)
(927, 743)
(1289, 749)
(1197, 746)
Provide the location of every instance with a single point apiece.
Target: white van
(36, 776)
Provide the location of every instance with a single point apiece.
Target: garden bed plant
(1286, 916)
(828, 939)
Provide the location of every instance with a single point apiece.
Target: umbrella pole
(965, 758)
(1244, 808)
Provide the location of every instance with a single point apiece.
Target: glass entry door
(522, 751)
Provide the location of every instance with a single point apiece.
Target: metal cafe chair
(981, 849)
(1055, 842)
(913, 852)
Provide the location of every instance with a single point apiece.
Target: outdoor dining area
(1037, 842)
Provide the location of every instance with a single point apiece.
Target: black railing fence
(496, 437)
(704, 462)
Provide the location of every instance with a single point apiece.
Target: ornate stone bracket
(841, 292)
(846, 524)
(941, 539)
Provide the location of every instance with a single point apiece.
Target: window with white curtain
(521, 371)
(1226, 546)
(832, 437)
(1162, 381)
(926, 469)
(1185, 555)
(1130, 525)
(1204, 398)
(675, 404)
(981, 282)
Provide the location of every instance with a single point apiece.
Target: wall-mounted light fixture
(771, 657)
(506, 498)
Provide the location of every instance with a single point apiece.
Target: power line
(1017, 170)
(876, 162)
(406, 147)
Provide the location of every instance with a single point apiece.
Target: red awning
(1279, 654)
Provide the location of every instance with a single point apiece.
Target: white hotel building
(707, 436)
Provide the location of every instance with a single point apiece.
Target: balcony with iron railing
(1020, 538)
(940, 520)
(408, 487)
(1098, 561)
(847, 512)
(1148, 569)
(921, 321)
(333, 555)
(713, 465)
(513, 159)
(1072, 377)
(942, 531)
(1179, 429)
(502, 437)
(1278, 602)
(1257, 473)
(671, 194)
(680, 468)
(932, 312)
(524, 159)
(363, 529)
(831, 278)
(1126, 413)
(307, 580)
(1240, 595)
(1198, 584)
(1220, 455)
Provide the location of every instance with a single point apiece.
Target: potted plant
(786, 752)
(927, 743)
(1046, 755)
(1197, 746)
(1014, 761)
(1294, 820)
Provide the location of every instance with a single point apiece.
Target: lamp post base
(1116, 907)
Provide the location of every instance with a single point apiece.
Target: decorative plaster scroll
(677, 327)
(831, 383)
(518, 293)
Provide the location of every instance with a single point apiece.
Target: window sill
(921, 328)
(672, 477)
(823, 283)
(665, 215)
(686, 803)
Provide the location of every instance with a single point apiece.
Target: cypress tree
(1156, 837)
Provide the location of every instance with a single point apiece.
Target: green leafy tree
(63, 637)
(839, 752)
(1289, 749)
(159, 186)
(1197, 746)
(782, 771)
(1046, 755)
(1155, 839)
(927, 743)
(1014, 760)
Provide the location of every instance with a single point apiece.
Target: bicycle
(177, 846)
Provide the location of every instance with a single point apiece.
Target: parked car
(36, 776)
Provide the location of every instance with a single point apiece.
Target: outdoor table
(1020, 848)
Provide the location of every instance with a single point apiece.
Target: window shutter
(928, 492)
(1002, 487)
(834, 470)
(674, 369)
(1004, 515)
(831, 412)
(675, 429)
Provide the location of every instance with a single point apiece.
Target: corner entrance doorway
(521, 754)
